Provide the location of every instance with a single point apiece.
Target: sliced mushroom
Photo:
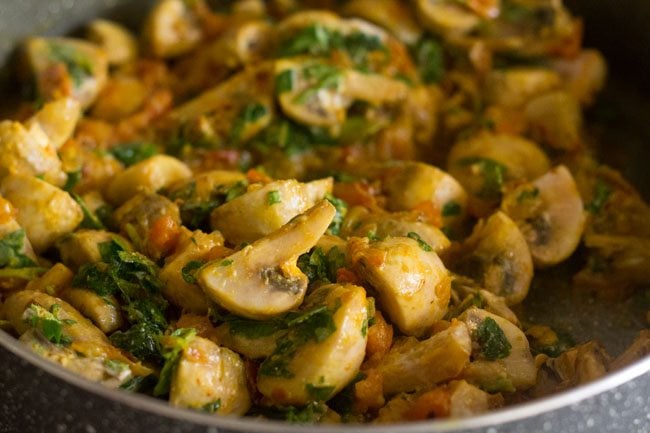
(82, 246)
(583, 76)
(58, 120)
(152, 222)
(104, 311)
(320, 366)
(119, 44)
(413, 285)
(485, 163)
(451, 18)
(513, 88)
(497, 367)
(556, 120)
(374, 89)
(206, 374)
(243, 43)
(312, 92)
(192, 247)
(66, 67)
(149, 175)
(412, 365)
(399, 224)
(52, 282)
(550, 215)
(75, 325)
(45, 211)
(582, 364)
(497, 257)
(264, 209)
(105, 364)
(389, 14)
(252, 347)
(262, 280)
(28, 152)
(408, 185)
(122, 96)
(171, 29)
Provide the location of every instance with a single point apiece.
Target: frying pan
(38, 396)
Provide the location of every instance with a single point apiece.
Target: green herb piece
(236, 190)
(493, 342)
(226, 262)
(132, 153)
(527, 194)
(343, 402)
(212, 407)
(134, 278)
(173, 346)
(321, 76)
(373, 236)
(602, 193)
(341, 210)
(251, 113)
(48, 323)
(315, 324)
(273, 197)
(74, 177)
(360, 45)
(90, 220)
(425, 246)
(314, 39)
(139, 383)
(291, 138)
(116, 368)
(12, 251)
(493, 173)
(319, 393)
(473, 300)
(429, 57)
(319, 266)
(451, 208)
(189, 270)
(140, 340)
(78, 65)
(284, 81)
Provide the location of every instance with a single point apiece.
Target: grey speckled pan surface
(36, 396)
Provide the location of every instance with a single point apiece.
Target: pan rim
(162, 408)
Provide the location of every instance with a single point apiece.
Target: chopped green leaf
(527, 194)
(341, 210)
(284, 81)
(236, 190)
(251, 113)
(212, 407)
(273, 197)
(321, 76)
(12, 251)
(226, 262)
(319, 393)
(189, 269)
(172, 350)
(602, 192)
(315, 324)
(90, 221)
(48, 323)
(74, 177)
(430, 59)
(132, 153)
(139, 383)
(425, 246)
(319, 266)
(451, 208)
(493, 342)
(78, 65)
(140, 340)
(493, 173)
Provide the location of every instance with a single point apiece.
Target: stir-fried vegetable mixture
(319, 211)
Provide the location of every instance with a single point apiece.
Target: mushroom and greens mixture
(319, 211)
